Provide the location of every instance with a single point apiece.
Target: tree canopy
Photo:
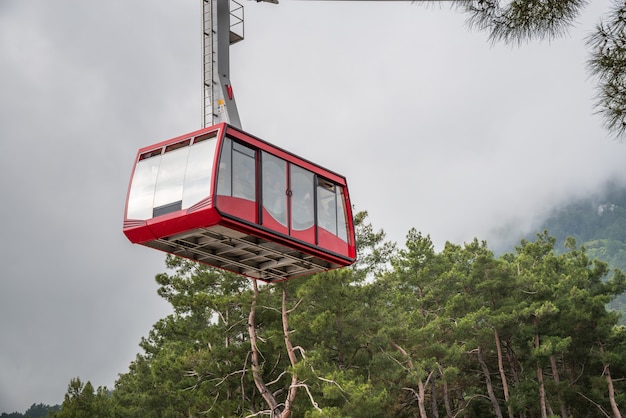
(456, 332)
(519, 21)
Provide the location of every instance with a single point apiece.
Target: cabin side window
(331, 214)
(141, 195)
(171, 178)
(236, 175)
(168, 193)
(342, 222)
(326, 206)
(274, 172)
(302, 199)
(199, 172)
(224, 174)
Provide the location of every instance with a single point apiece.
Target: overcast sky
(433, 127)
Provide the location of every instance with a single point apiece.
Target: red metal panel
(138, 232)
(179, 222)
(239, 208)
(331, 242)
(307, 235)
(270, 223)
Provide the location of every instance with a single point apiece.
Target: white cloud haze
(433, 126)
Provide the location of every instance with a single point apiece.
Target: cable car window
(342, 221)
(326, 206)
(243, 172)
(178, 145)
(197, 183)
(141, 195)
(274, 172)
(224, 175)
(150, 154)
(169, 185)
(302, 207)
(243, 149)
(236, 172)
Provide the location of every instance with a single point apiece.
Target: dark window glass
(302, 203)
(342, 224)
(236, 173)
(224, 175)
(326, 206)
(274, 172)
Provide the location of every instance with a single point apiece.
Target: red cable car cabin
(227, 199)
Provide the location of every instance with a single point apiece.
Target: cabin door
(288, 198)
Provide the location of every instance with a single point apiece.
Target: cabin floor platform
(242, 254)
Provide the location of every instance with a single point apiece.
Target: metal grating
(241, 253)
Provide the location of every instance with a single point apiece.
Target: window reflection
(326, 206)
(169, 184)
(199, 172)
(141, 196)
(236, 175)
(174, 180)
(224, 175)
(302, 216)
(342, 224)
(275, 187)
(331, 211)
(243, 172)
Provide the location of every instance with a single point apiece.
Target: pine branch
(607, 65)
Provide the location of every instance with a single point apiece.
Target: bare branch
(301, 350)
(306, 387)
(602, 410)
(295, 306)
(412, 391)
(264, 412)
(277, 379)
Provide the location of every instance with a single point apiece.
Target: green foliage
(373, 251)
(38, 410)
(459, 332)
(81, 400)
(599, 224)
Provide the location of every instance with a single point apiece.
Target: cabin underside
(242, 253)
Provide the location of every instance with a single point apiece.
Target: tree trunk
(256, 373)
(492, 395)
(421, 390)
(557, 380)
(270, 399)
(421, 397)
(513, 362)
(433, 399)
(542, 388)
(293, 388)
(609, 382)
(227, 323)
(505, 385)
(446, 394)
(542, 392)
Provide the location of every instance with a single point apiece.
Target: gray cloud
(434, 128)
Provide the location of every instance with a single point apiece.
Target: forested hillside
(38, 410)
(404, 333)
(599, 224)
